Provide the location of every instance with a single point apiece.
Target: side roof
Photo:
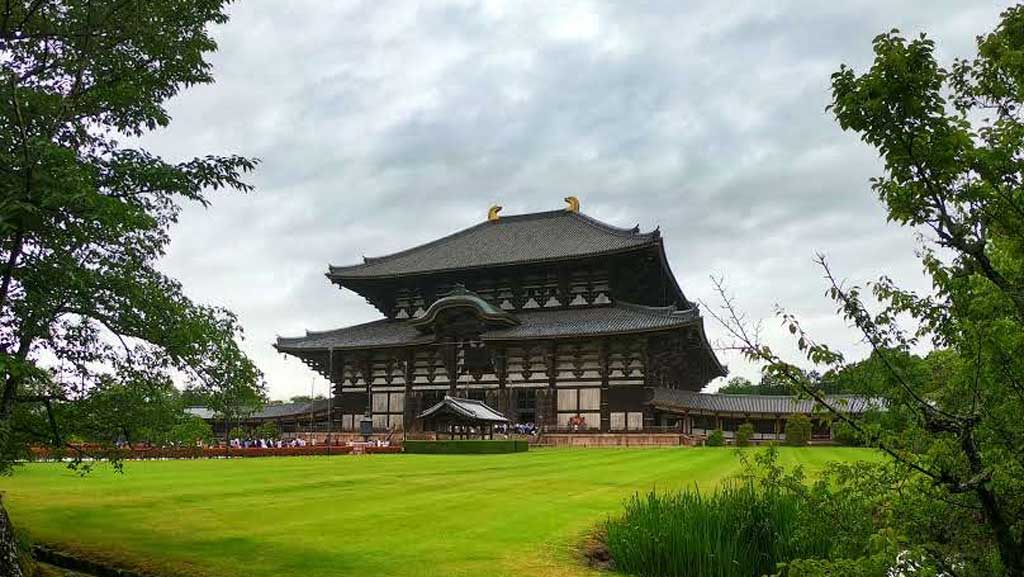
(670, 399)
(526, 238)
(275, 411)
(617, 318)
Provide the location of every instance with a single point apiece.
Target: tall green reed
(742, 529)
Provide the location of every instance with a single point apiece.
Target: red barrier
(43, 453)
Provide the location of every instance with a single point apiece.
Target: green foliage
(87, 322)
(191, 430)
(239, 432)
(780, 384)
(129, 409)
(845, 434)
(798, 430)
(951, 139)
(716, 438)
(738, 386)
(769, 385)
(744, 433)
(466, 447)
(743, 528)
(267, 430)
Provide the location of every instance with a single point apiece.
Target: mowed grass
(385, 515)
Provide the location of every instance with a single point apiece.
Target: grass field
(401, 515)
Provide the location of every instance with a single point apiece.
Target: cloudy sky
(382, 125)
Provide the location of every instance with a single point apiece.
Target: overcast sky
(384, 125)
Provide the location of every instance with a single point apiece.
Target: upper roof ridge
(601, 225)
(487, 246)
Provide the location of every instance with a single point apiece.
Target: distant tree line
(859, 377)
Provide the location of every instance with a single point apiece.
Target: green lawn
(414, 515)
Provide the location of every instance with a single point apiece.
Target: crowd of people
(518, 429)
(237, 443)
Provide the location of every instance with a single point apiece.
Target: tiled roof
(572, 322)
(205, 413)
(748, 404)
(468, 408)
(275, 411)
(536, 237)
(289, 409)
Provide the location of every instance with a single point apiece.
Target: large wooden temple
(553, 318)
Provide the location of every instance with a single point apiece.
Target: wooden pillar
(450, 353)
(645, 363)
(552, 374)
(367, 370)
(606, 416)
(500, 363)
(410, 409)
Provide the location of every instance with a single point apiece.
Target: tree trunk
(9, 562)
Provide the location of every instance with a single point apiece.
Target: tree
(738, 386)
(716, 438)
(123, 410)
(189, 431)
(305, 398)
(233, 402)
(84, 217)
(268, 430)
(744, 433)
(952, 141)
(779, 385)
(798, 430)
(239, 432)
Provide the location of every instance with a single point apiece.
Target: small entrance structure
(462, 418)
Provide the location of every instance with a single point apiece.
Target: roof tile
(535, 237)
(592, 321)
(748, 404)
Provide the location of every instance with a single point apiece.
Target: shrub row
(467, 447)
(797, 433)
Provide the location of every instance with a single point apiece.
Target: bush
(716, 438)
(238, 432)
(745, 528)
(844, 434)
(798, 430)
(466, 447)
(744, 434)
(190, 431)
(267, 430)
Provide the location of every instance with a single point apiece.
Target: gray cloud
(382, 125)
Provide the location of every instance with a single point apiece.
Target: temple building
(553, 318)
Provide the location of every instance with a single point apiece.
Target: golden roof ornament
(492, 214)
(574, 204)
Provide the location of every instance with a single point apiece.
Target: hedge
(466, 447)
